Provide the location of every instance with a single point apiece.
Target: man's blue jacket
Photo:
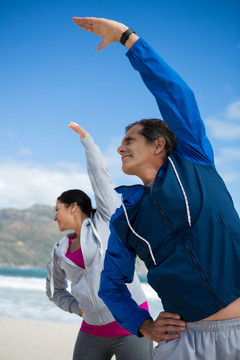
(185, 228)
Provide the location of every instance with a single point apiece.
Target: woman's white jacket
(94, 237)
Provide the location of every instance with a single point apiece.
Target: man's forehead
(135, 129)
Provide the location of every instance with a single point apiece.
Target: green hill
(27, 237)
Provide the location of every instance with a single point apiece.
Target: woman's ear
(159, 145)
(74, 207)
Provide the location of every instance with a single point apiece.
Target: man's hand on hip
(166, 327)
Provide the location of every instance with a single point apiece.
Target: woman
(79, 257)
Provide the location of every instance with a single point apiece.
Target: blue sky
(51, 74)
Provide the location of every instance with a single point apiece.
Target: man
(181, 223)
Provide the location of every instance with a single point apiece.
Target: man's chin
(127, 170)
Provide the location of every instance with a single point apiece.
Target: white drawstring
(51, 277)
(187, 208)
(139, 236)
(97, 236)
(183, 191)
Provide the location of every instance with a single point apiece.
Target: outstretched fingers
(109, 30)
(78, 129)
(84, 23)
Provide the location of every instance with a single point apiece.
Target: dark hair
(80, 197)
(152, 129)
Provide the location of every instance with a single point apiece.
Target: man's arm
(175, 99)
(176, 102)
(167, 326)
(119, 266)
(118, 270)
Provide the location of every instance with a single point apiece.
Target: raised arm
(176, 102)
(175, 99)
(106, 200)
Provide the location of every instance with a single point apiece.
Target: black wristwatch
(126, 35)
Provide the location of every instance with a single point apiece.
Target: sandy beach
(26, 340)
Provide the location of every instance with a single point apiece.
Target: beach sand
(26, 340)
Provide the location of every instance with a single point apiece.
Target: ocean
(22, 295)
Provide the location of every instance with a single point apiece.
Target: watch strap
(126, 35)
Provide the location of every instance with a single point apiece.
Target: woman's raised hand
(78, 129)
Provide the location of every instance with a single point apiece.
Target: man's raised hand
(109, 30)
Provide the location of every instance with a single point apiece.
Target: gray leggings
(130, 347)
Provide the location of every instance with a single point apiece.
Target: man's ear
(159, 145)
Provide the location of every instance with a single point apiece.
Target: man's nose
(121, 149)
(55, 218)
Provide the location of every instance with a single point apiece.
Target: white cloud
(228, 155)
(24, 184)
(232, 153)
(8, 133)
(227, 125)
(233, 111)
(231, 177)
(223, 129)
(24, 152)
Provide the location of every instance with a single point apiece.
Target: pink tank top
(112, 329)
(77, 256)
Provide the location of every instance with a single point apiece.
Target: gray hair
(152, 129)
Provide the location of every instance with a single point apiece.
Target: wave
(22, 283)
(38, 284)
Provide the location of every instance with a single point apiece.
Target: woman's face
(64, 216)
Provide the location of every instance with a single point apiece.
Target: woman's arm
(106, 200)
(60, 296)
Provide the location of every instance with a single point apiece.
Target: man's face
(137, 154)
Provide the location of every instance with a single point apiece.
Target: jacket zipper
(190, 253)
(92, 298)
(91, 295)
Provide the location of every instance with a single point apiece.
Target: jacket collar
(133, 193)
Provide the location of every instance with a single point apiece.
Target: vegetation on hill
(27, 237)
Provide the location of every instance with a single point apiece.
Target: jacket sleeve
(176, 102)
(106, 200)
(60, 297)
(118, 270)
